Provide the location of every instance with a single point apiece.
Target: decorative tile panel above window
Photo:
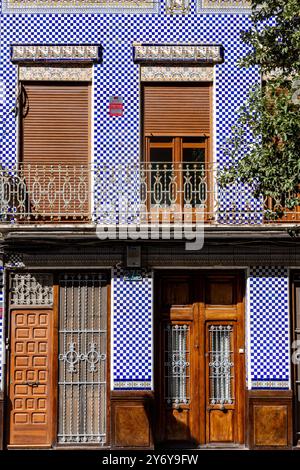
(56, 73)
(176, 74)
(67, 53)
(223, 6)
(177, 54)
(80, 6)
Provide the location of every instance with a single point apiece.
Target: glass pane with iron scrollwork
(162, 174)
(194, 176)
(31, 289)
(177, 364)
(221, 364)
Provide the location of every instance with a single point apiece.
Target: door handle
(32, 384)
(221, 408)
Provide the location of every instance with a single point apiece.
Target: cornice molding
(55, 53)
(221, 6)
(177, 54)
(80, 6)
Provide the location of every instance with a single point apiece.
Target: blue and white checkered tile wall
(117, 139)
(269, 327)
(132, 331)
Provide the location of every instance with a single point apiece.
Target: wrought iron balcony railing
(110, 194)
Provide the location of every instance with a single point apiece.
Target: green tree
(264, 147)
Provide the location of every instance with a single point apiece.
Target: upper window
(177, 131)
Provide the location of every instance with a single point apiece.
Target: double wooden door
(200, 377)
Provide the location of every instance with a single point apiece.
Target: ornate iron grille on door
(221, 364)
(177, 365)
(82, 359)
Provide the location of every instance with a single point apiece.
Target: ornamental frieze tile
(223, 6)
(80, 6)
(56, 53)
(177, 53)
(56, 73)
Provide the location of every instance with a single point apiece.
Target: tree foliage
(264, 147)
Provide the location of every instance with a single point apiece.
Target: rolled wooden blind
(55, 150)
(183, 110)
(55, 123)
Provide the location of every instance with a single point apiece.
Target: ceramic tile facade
(132, 331)
(117, 140)
(269, 327)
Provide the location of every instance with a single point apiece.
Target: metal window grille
(177, 364)
(34, 289)
(221, 365)
(82, 359)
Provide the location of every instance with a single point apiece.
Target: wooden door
(223, 358)
(178, 381)
(221, 393)
(295, 355)
(200, 359)
(31, 378)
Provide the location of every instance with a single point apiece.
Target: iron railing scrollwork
(123, 193)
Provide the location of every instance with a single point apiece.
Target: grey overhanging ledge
(56, 53)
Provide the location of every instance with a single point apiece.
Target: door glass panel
(194, 178)
(82, 360)
(162, 176)
(177, 364)
(221, 364)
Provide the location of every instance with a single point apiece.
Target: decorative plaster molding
(57, 73)
(80, 6)
(177, 53)
(176, 74)
(58, 53)
(223, 6)
(177, 7)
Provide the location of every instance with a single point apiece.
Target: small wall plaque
(116, 106)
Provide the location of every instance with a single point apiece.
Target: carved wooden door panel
(30, 382)
(221, 371)
(222, 329)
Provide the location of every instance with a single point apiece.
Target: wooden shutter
(55, 141)
(55, 123)
(183, 110)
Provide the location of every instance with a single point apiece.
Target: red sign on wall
(116, 106)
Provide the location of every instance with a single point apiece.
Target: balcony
(118, 195)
